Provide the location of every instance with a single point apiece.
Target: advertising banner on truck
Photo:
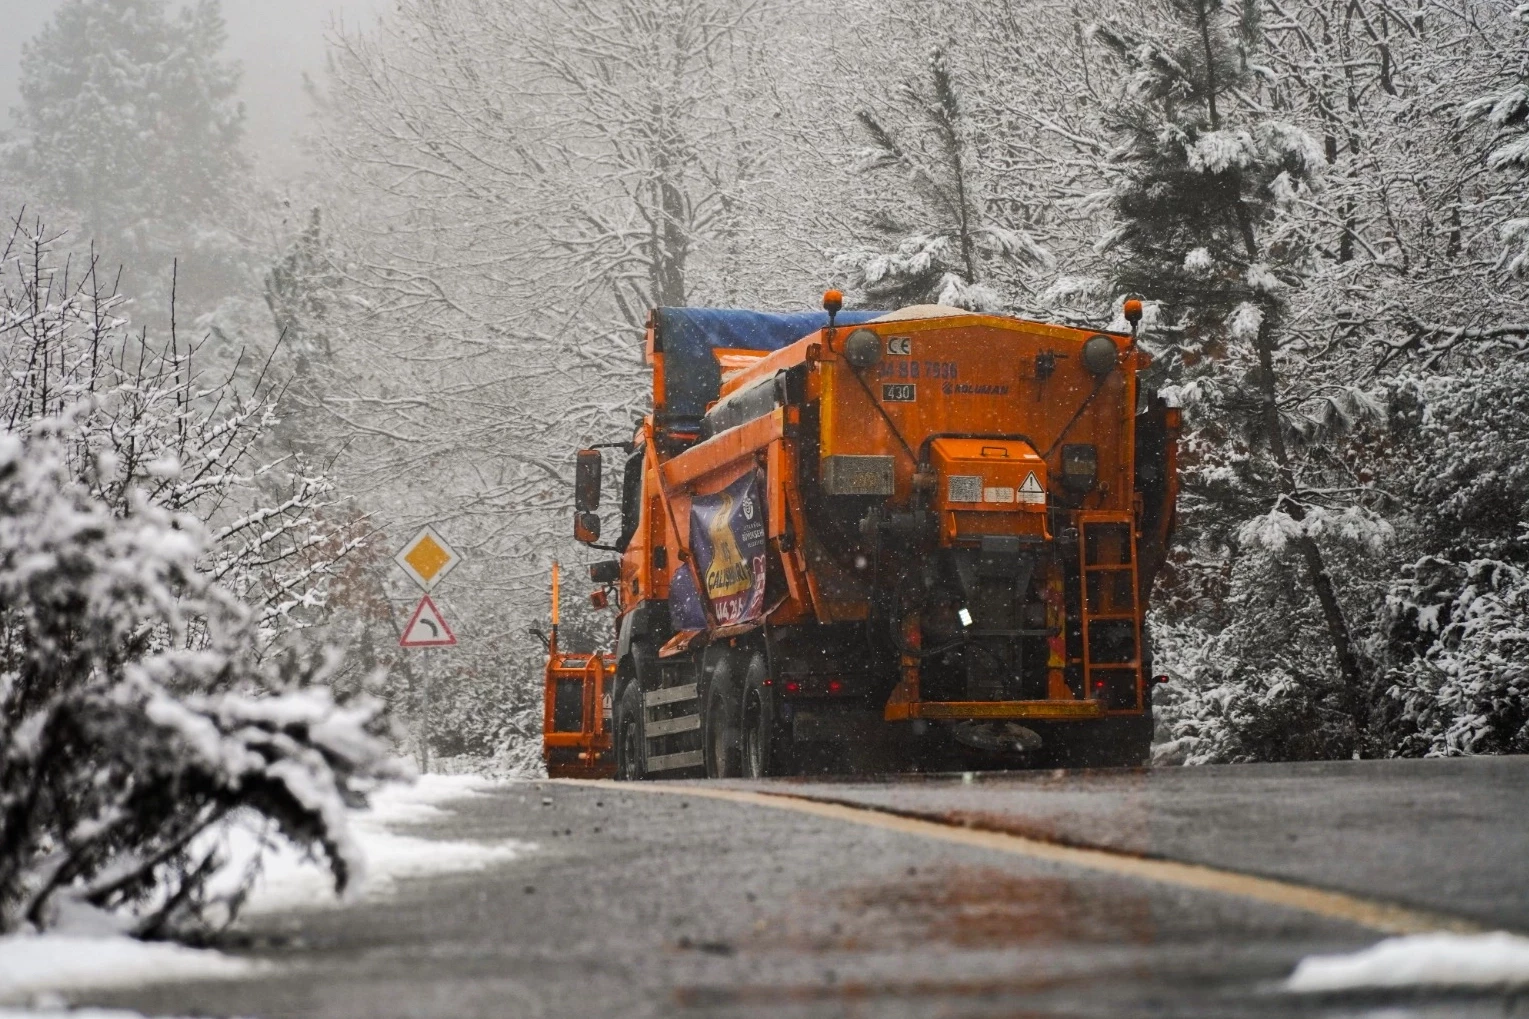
(727, 536)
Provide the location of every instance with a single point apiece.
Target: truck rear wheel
(756, 744)
(721, 732)
(764, 751)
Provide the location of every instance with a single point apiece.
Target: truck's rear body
(914, 529)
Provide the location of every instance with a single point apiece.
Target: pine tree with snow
(936, 244)
(1456, 618)
(1205, 179)
(1505, 114)
(299, 289)
(128, 117)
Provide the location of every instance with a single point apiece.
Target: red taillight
(792, 686)
(835, 686)
(1099, 688)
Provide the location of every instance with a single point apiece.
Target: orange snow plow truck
(879, 541)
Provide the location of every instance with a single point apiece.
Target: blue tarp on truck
(687, 338)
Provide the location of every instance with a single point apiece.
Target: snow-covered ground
(52, 1013)
(80, 955)
(1420, 960)
(56, 962)
(289, 881)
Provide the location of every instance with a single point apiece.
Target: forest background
(1322, 202)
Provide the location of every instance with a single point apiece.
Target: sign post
(424, 729)
(427, 558)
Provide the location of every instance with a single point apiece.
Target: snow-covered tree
(1457, 615)
(1457, 630)
(151, 569)
(1390, 282)
(1205, 185)
(298, 290)
(128, 117)
(939, 230)
(1505, 113)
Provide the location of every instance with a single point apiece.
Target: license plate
(900, 392)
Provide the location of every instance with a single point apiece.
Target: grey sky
(274, 40)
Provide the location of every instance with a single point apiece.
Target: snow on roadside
(30, 964)
(72, 1013)
(1420, 960)
(81, 1013)
(59, 1013)
(289, 880)
(83, 955)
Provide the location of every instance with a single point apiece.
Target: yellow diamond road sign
(427, 558)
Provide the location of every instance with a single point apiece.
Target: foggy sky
(274, 40)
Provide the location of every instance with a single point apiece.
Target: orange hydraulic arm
(575, 742)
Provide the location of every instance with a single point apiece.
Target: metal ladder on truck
(1111, 613)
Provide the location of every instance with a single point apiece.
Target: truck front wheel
(629, 755)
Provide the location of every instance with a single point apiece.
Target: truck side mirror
(586, 528)
(586, 495)
(586, 481)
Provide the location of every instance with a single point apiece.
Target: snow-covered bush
(149, 568)
(1456, 617)
(1466, 690)
(1247, 681)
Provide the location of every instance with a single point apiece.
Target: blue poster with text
(727, 537)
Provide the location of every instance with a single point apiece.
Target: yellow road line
(1372, 913)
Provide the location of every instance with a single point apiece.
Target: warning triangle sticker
(1031, 491)
(426, 627)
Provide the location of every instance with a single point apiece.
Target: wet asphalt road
(639, 904)
(1450, 836)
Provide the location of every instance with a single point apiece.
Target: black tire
(763, 748)
(719, 726)
(629, 755)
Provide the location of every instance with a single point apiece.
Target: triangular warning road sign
(1031, 491)
(426, 627)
